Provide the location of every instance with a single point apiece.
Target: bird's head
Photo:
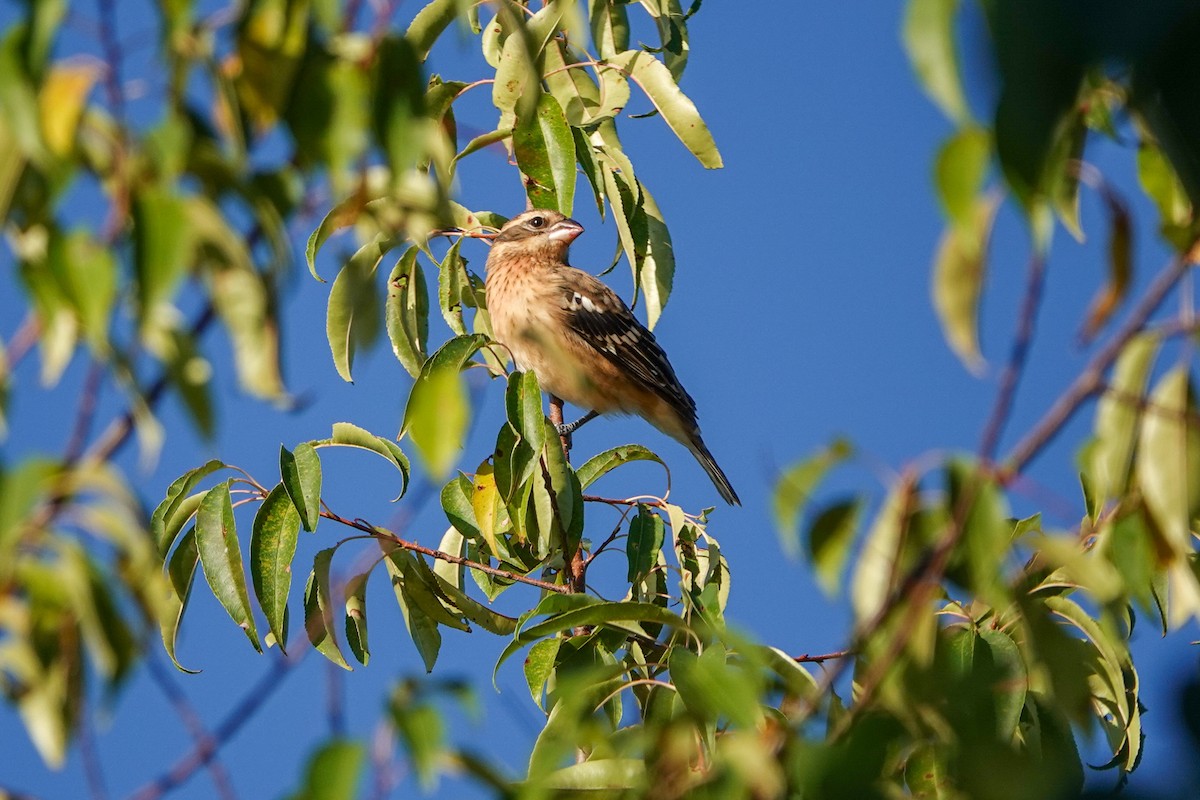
(537, 232)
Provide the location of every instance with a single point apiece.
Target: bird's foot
(567, 428)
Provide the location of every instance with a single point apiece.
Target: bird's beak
(566, 230)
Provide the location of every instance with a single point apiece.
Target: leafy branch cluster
(978, 639)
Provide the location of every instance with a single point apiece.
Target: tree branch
(1091, 380)
(204, 752)
(1035, 283)
(195, 727)
(382, 533)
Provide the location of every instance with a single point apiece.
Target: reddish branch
(820, 659)
(404, 544)
(201, 737)
(1032, 301)
(1091, 380)
(205, 751)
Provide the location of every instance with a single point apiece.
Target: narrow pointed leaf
(958, 274)
(407, 312)
(272, 549)
(352, 317)
(356, 617)
(217, 542)
(930, 43)
(301, 474)
(438, 413)
(680, 114)
(601, 464)
(318, 610)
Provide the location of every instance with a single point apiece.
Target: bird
(580, 339)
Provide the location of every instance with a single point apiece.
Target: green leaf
(1120, 269)
(398, 103)
(1042, 65)
(243, 297)
(656, 266)
(680, 114)
(181, 572)
(539, 666)
(318, 610)
(420, 727)
(610, 27)
(929, 42)
(272, 548)
(928, 774)
(333, 772)
(1063, 165)
(346, 434)
(162, 248)
(352, 319)
(489, 620)
(875, 572)
(437, 414)
(422, 629)
(1168, 455)
(958, 274)
(177, 507)
(601, 464)
(960, 171)
(829, 539)
(407, 312)
(454, 288)
(342, 215)
(355, 593)
(328, 115)
(1162, 185)
(600, 775)
(456, 499)
(711, 688)
(217, 542)
(301, 474)
(975, 499)
(517, 79)
(428, 25)
(481, 141)
(523, 405)
(87, 274)
(545, 153)
(646, 536)
(796, 486)
(1117, 413)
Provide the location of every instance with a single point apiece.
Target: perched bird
(580, 339)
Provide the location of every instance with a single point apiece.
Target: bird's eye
(537, 222)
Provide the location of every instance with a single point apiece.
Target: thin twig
(823, 657)
(93, 769)
(202, 754)
(117, 433)
(192, 722)
(1091, 380)
(113, 57)
(23, 340)
(441, 555)
(86, 412)
(1035, 282)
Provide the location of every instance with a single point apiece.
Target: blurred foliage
(983, 645)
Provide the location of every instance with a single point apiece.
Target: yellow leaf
(61, 103)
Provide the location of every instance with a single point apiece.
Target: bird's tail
(724, 487)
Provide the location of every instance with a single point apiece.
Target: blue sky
(801, 312)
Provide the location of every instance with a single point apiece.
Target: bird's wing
(602, 320)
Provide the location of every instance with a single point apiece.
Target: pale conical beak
(566, 230)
